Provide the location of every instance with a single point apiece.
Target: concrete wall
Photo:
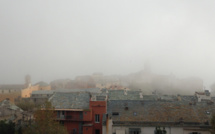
(150, 130)
(108, 127)
(203, 97)
(201, 132)
(26, 93)
(170, 130)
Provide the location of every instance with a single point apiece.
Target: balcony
(73, 118)
(61, 117)
(69, 117)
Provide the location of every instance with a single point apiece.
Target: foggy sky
(51, 39)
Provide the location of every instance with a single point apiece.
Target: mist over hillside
(144, 80)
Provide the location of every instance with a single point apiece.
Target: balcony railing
(69, 117)
(61, 117)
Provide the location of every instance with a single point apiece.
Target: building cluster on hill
(98, 104)
(106, 111)
(144, 80)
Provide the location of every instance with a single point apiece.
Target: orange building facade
(26, 93)
(83, 121)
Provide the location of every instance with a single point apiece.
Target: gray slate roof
(7, 104)
(74, 100)
(159, 111)
(130, 95)
(188, 98)
(91, 90)
(120, 95)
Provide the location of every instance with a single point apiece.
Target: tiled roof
(159, 112)
(168, 97)
(7, 104)
(78, 100)
(91, 90)
(123, 95)
(129, 95)
(200, 93)
(150, 97)
(188, 98)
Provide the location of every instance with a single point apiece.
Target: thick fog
(51, 39)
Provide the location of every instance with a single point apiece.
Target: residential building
(26, 93)
(9, 111)
(40, 96)
(78, 113)
(143, 116)
(11, 91)
(203, 96)
(14, 88)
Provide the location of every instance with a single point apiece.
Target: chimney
(125, 92)
(178, 97)
(141, 95)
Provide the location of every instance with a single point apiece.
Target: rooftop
(75, 100)
(7, 104)
(124, 95)
(159, 111)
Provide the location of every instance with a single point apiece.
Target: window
(74, 131)
(115, 113)
(134, 131)
(195, 133)
(207, 112)
(61, 122)
(58, 114)
(97, 131)
(97, 118)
